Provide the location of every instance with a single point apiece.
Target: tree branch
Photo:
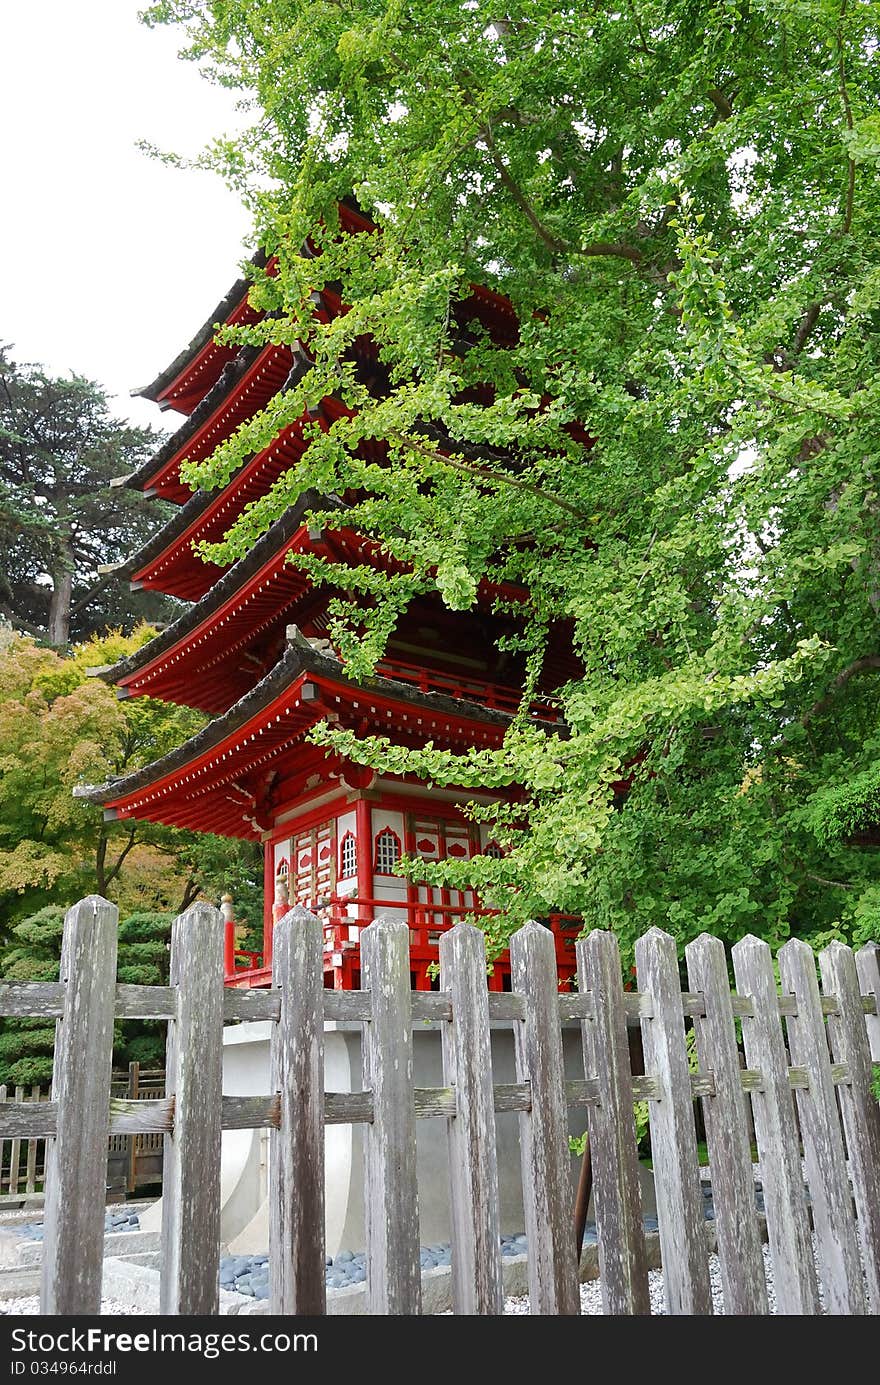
(615, 249)
(865, 664)
(486, 473)
(837, 884)
(848, 116)
(16, 620)
(92, 591)
(112, 874)
(720, 102)
(805, 327)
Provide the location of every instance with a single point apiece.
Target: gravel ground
(30, 1306)
(591, 1292)
(591, 1296)
(120, 1216)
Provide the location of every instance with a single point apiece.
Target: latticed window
(348, 856)
(494, 850)
(387, 852)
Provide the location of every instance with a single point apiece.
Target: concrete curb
(115, 1243)
(138, 1286)
(437, 1283)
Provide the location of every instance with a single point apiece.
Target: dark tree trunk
(62, 595)
(100, 865)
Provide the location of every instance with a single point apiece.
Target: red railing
(492, 695)
(426, 922)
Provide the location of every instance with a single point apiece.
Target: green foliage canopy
(59, 518)
(60, 728)
(681, 200)
(33, 953)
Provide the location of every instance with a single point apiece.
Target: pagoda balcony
(427, 921)
(492, 695)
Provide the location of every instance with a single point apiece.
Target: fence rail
(802, 1071)
(134, 1161)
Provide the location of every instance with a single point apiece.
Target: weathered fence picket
(727, 1132)
(473, 1156)
(15, 1152)
(394, 1282)
(824, 1157)
(686, 1284)
(193, 1078)
(868, 968)
(76, 1158)
(859, 1111)
(191, 1116)
(296, 1148)
(616, 1193)
(788, 1223)
(552, 1267)
(31, 1174)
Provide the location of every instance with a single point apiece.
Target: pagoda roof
(244, 385)
(205, 658)
(220, 780)
(195, 369)
(252, 594)
(183, 383)
(167, 561)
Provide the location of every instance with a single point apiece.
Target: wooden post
(134, 1072)
(76, 1159)
(839, 1263)
(788, 1225)
(620, 1231)
(2, 1142)
(858, 1106)
(296, 1148)
(473, 1161)
(686, 1287)
(868, 968)
(552, 1268)
(727, 1133)
(191, 1173)
(15, 1152)
(391, 1197)
(31, 1184)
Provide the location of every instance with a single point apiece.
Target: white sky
(109, 260)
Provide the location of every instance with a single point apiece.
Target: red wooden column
(364, 830)
(228, 912)
(418, 921)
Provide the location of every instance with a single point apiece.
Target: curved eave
(167, 562)
(225, 310)
(245, 385)
(174, 529)
(230, 310)
(302, 689)
(274, 542)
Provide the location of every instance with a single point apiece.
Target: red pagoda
(252, 651)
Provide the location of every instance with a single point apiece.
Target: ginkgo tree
(681, 202)
(58, 728)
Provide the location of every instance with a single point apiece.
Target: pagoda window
(388, 852)
(348, 857)
(494, 850)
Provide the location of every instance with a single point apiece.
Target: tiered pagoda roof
(225, 778)
(238, 653)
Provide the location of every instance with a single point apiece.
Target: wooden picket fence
(22, 1163)
(133, 1161)
(815, 1043)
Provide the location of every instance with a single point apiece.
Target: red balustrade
(492, 695)
(426, 922)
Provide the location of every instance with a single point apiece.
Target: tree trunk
(62, 594)
(101, 864)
